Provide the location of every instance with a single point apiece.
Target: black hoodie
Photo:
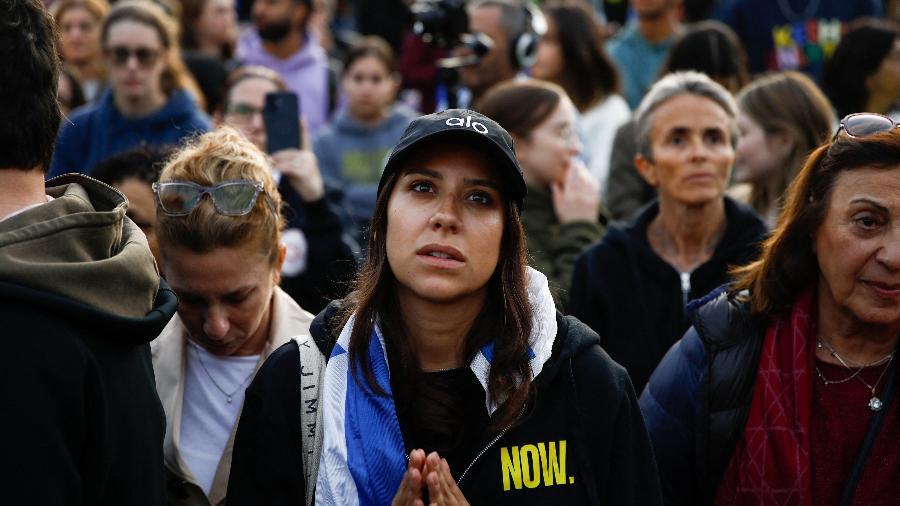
(581, 440)
(636, 301)
(80, 299)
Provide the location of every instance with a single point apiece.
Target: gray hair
(674, 85)
(513, 19)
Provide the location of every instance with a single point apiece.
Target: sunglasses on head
(120, 55)
(863, 124)
(230, 198)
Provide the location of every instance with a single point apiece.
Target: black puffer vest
(733, 340)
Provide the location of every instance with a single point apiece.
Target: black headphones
(523, 47)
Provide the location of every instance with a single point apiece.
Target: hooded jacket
(354, 154)
(80, 299)
(580, 440)
(636, 301)
(553, 247)
(98, 131)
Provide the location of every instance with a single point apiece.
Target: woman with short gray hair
(633, 286)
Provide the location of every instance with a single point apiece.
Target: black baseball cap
(471, 129)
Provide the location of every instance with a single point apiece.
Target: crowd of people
(489, 252)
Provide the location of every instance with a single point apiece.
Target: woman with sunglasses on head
(218, 228)
(452, 379)
(784, 389)
(151, 99)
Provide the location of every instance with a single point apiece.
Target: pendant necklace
(875, 403)
(227, 395)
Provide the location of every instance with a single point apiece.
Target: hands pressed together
(431, 473)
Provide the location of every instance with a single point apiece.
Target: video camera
(440, 22)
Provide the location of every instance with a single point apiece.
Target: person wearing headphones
(514, 31)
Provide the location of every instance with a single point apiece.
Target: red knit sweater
(840, 419)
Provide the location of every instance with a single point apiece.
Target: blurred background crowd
(620, 239)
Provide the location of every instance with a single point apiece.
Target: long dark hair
(710, 47)
(588, 75)
(788, 265)
(857, 56)
(505, 318)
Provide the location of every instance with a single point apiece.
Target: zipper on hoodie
(685, 288)
(489, 445)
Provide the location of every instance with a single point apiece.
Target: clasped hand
(432, 472)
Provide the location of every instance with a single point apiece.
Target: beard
(275, 31)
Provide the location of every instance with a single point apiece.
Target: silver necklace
(227, 395)
(875, 404)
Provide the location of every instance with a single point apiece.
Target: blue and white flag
(363, 455)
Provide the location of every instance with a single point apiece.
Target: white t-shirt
(207, 418)
(599, 125)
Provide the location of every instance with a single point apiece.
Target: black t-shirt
(444, 412)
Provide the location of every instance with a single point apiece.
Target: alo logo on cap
(474, 125)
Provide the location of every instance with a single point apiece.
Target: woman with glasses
(561, 215)
(452, 379)
(151, 99)
(218, 229)
(571, 54)
(319, 231)
(783, 391)
(633, 286)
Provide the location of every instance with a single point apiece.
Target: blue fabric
(670, 404)
(488, 352)
(375, 450)
(637, 60)
(337, 350)
(95, 132)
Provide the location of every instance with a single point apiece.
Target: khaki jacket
(288, 320)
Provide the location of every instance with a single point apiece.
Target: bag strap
(869, 440)
(312, 366)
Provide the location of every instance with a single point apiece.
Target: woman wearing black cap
(451, 378)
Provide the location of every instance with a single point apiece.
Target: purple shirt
(305, 73)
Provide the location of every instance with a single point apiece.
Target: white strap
(312, 365)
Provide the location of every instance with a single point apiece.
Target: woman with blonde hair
(781, 117)
(219, 233)
(151, 99)
(78, 22)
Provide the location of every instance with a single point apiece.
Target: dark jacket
(553, 247)
(95, 132)
(582, 400)
(325, 229)
(636, 301)
(697, 400)
(626, 190)
(80, 300)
